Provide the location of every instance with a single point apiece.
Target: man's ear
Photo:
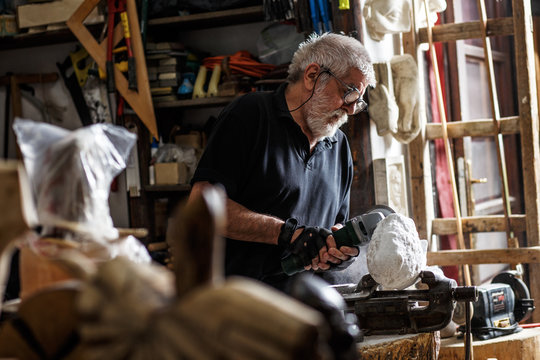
(310, 75)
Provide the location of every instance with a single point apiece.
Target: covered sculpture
(122, 310)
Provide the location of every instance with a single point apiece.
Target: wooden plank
(362, 187)
(521, 345)
(29, 78)
(480, 127)
(530, 140)
(418, 149)
(200, 102)
(467, 30)
(447, 147)
(50, 13)
(474, 224)
(529, 255)
(232, 16)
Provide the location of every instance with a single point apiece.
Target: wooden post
(418, 152)
(530, 140)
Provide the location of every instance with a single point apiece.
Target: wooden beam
(51, 12)
(490, 256)
(530, 139)
(475, 224)
(29, 78)
(467, 30)
(480, 127)
(418, 149)
(215, 17)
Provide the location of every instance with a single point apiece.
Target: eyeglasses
(352, 94)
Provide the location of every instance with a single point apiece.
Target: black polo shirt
(262, 158)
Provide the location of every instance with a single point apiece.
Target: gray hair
(339, 53)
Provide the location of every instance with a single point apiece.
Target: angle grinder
(355, 232)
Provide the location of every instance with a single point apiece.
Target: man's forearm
(244, 224)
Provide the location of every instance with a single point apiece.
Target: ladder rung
(481, 127)
(475, 224)
(490, 256)
(467, 30)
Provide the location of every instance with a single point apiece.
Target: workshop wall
(216, 41)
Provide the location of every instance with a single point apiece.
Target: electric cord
(508, 328)
(312, 92)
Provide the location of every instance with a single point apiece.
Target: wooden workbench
(396, 347)
(521, 345)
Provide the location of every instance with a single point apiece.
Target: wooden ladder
(526, 124)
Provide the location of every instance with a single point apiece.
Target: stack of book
(165, 62)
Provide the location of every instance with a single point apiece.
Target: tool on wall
(139, 100)
(320, 16)
(85, 87)
(73, 76)
(119, 7)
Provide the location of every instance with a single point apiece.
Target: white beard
(319, 120)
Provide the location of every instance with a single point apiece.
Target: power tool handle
(344, 237)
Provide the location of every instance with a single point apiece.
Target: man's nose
(350, 108)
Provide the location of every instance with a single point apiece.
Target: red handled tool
(114, 7)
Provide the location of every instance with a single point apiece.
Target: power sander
(355, 232)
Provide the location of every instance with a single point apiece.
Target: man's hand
(330, 254)
(314, 247)
(306, 243)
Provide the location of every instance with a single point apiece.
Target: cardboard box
(189, 140)
(171, 173)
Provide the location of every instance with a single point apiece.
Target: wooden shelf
(211, 19)
(244, 15)
(43, 38)
(167, 188)
(194, 103)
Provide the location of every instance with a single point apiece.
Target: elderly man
(285, 165)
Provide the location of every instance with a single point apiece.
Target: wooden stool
(522, 345)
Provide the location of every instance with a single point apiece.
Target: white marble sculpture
(386, 17)
(394, 16)
(383, 109)
(406, 92)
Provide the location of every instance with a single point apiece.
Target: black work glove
(307, 244)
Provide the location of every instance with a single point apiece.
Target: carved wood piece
(194, 234)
